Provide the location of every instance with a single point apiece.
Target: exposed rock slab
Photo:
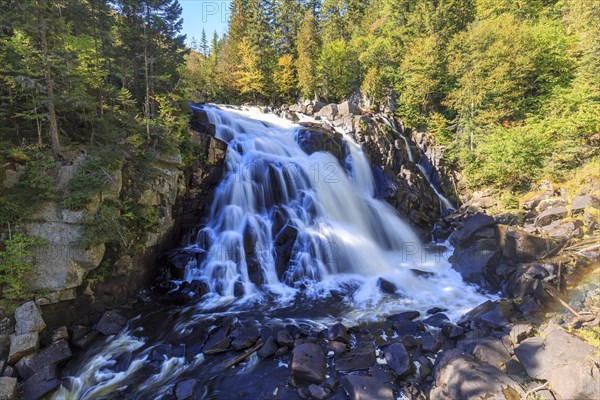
(309, 364)
(28, 318)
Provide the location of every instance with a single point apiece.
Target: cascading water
(294, 236)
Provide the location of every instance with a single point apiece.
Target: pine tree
(203, 46)
(308, 50)
(250, 79)
(285, 78)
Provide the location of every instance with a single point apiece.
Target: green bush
(15, 260)
(93, 176)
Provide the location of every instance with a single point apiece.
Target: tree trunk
(55, 140)
(147, 80)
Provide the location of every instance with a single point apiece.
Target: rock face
(309, 364)
(564, 360)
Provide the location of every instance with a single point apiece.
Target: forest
(509, 88)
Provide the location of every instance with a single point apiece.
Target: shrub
(15, 260)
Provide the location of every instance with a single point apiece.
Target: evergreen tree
(308, 51)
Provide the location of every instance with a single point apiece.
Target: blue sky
(208, 14)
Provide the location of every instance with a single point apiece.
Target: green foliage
(15, 260)
(337, 70)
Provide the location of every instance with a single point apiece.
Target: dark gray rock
(84, 341)
(22, 345)
(269, 348)
(187, 389)
(218, 341)
(28, 318)
(436, 310)
(55, 354)
(244, 336)
(366, 388)
(404, 316)
(60, 334)
(452, 331)
(386, 286)
(490, 314)
(41, 383)
(550, 215)
(405, 327)
(360, 357)
(564, 360)
(111, 323)
(564, 231)
(437, 320)
(520, 331)
(166, 351)
(8, 388)
(462, 237)
(430, 343)
(309, 364)
(339, 333)
(398, 359)
(521, 246)
(318, 392)
(336, 347)
(477, 263)
(488, 350)
(285, 338)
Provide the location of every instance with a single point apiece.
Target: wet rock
(521, 246)
(386, 286)
(244, 337)
(366, 388)
(111, 323)
(404, 316)
(166, 351)
(564, 361)
(477, 263)
(336, 347)
(398, 359)
(459, 375)
(238, 289)
(405, 327)
(437, 320)
(285, 338)
(218, 341)
(308, 363)
(255, 272)
(284, 244)
(187, 389)
(339, 333)
(199, 288)
(430, 343)
(8, 388)
(452, 331)
(462, 237)
(410, 341)
(361, 357)
(282, 351)
(55, 354)
(269, 348)
(313, 139)
(41, 383)
(21, 345)
(436, 310)
(318, 392)
(84, 341)
(28, 318)
(550, 215)
(60, 334)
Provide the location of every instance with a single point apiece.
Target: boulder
(580, 203)
(564, 360)
(477, 263)
(244, 336)
(339, 333)
(462, 236)
(360, 357)
(309, 364)
(188, 389)
(360, 387)
(403, 316)
(386, 286)
(330, 111)
(166, 351)
(55, 354)
(430, 343)
(8, 388)
(405, 327)
(564, 231)
(347, 108)
(459, 375)
(398, 359)
(28, 318)
(437, 320)
(318, 392)
(521, 246)
(111, 323)
(285, 338)
(550, 203)
(550, 215)
(218, 341)
(269, 348)
(488, 350)
(41, 383)
(21, 345)
(59, 334)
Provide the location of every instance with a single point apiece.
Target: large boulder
(550, 215)
(565, 361)
(521, 246)
(347, 108)
(313, 139)
(580, 203)
(459, 375)
(8, 388)
(22, 345)
(464, 236)
(111, 323)
(477, 263)
(398, 359)
(41, 383)
(360, 357)
(330, 111)
(28, 318)
(309, 364)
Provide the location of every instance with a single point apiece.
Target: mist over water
(292, 237)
